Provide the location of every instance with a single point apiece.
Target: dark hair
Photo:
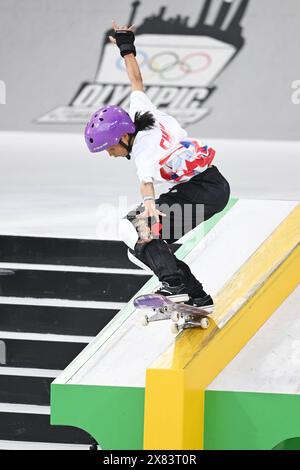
(144, 121)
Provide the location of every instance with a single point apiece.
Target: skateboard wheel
(175, 328)
(175, 316)
(145, 320)
(204, 323)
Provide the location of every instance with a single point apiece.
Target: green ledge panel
(113, 416)
(251, 421)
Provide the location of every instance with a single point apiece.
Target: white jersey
(165, 153)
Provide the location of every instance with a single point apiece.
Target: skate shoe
(175, 293)
(205, 302)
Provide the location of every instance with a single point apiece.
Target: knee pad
(128, 233)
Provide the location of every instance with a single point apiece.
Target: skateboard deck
(183, 316)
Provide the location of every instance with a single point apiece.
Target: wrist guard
(125, 42)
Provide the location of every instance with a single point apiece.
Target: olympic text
(185, 103)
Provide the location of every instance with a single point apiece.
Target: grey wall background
(48, 47)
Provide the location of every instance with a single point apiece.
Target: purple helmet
(106, 127)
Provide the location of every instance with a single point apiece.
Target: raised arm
(124, 39)
(134, 73)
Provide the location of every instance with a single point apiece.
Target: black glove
(125, 42)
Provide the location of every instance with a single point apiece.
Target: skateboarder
(162, 152)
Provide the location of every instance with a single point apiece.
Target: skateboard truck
(183, 316)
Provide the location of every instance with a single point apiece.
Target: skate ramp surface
(142, 366)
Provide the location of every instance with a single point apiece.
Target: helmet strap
(128, 146)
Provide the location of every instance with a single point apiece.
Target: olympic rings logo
(169, 66)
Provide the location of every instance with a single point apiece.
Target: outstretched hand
(144, 227)
(151, 211)
(122, 28)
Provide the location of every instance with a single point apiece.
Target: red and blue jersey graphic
(186, 160)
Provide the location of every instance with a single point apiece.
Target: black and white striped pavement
(55, 296)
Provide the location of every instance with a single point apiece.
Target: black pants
(186, 206)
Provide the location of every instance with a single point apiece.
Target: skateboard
(183, 316)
